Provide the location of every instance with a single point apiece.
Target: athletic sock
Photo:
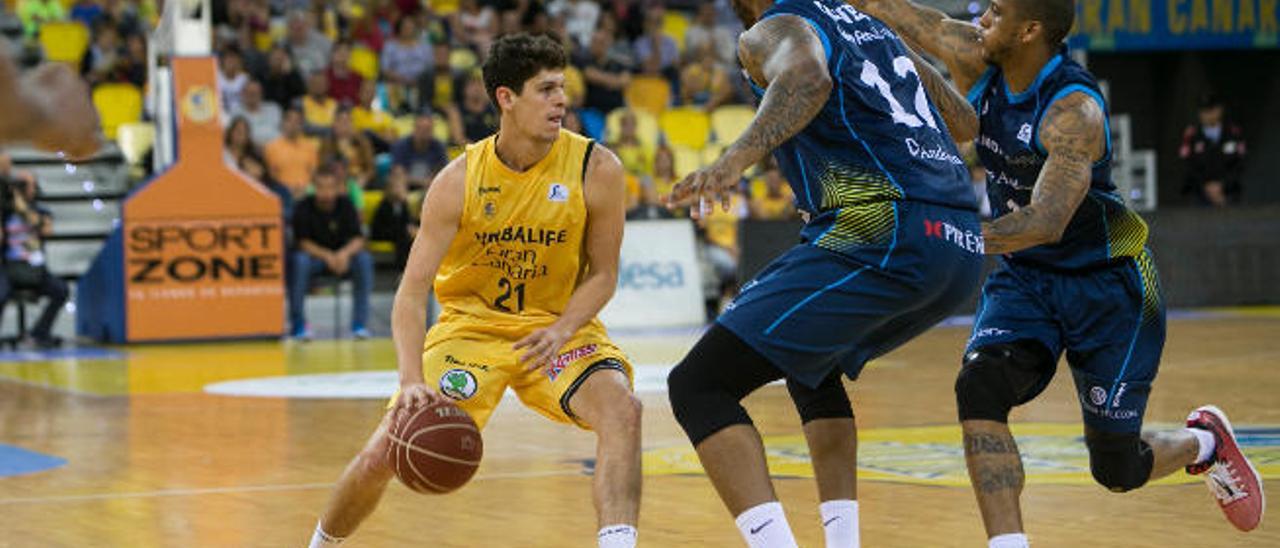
(1207, 444)
(1012, 540)
(840, 523)
(765, 526)
(321, 539)
(617, 536)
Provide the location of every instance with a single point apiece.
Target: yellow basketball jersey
(518, 255)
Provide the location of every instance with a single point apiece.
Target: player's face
(539, 108)
(999, 31)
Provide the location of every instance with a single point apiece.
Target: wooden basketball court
(153, 460)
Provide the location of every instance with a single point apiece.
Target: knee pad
(1119, 461)
(996, 377)
(706, 387)
(827, 401)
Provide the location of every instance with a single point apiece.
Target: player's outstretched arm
(604, 190)
(954, 42)
(961, 119)
(786, 55)
(1073, 135)
(48, 107)
(441, 212)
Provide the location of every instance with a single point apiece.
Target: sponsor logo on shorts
(1097, 395)
(1115, 402)
(458, 384)
(450, 360)
(560, 362)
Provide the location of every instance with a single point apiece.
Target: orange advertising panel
(203, 245)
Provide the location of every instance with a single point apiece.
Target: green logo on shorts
(458, 384)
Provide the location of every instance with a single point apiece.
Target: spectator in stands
(420, 154)
(101, 60)
(704, 82)
(86, 12)
(231, 77)
(253, 166)
(376, 124)
(292, 158)
(238, 141)
(263, 117)
(607, 72)
(282, 84)
(628, 16)
(439, 93)
(720, 244)
(344, 83)
(1214, 152)
(309, 47)
(318, 107)
(636, 158)
(771, 197)
(580, 18)
(394, 221)
(26, 225)
(134, 63)
(704, 31)
(664, 170)
(406, 61)
(476, 119)
(475, 25)
(655, 52)
(366, 31)
(351, 147)
(648, 204)
(327, 229)
(35, 13)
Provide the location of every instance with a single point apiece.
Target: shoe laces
(1225, 483)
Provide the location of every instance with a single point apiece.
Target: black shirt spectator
(607, 71)
(282, 83)
(330, 229)
(1214, 151)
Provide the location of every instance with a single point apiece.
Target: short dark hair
(516, 58)
(1056, 16)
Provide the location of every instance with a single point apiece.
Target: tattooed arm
(1073, 134)
(954, 42)
(961, 119)
(785, 55)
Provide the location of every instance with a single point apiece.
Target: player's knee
(1119, 461)
(827, 401)
(995, 378)
(701, 404)
(372, 463)
(627, 414)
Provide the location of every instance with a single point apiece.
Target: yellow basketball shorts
(476, 372)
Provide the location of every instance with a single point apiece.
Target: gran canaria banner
(1148, 25)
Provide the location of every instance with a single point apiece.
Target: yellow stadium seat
(650, 93)
(372, 199)
(134, 139)
(729, 122)
(443, 7)
(575, 85)
(687, 160)
(364, 62)
(117, 104)
(462, 59)
(712, 153)
(686, 126)
(440, 128)
(64, 41)
(403, 126)
(646, 127)
(675, 24)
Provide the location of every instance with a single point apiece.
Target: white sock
(1207, 444)
(765, 526)
(1012, 540)
(321, 539)
(840, 522)
(617, 536)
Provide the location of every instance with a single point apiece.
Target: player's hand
(701, 189)
(413, 396)
(65, 119)
(543, 346)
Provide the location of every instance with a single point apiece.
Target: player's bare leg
(1174, 451)
(833, 449)
(995, 470)
(358, 490)
(606, 403)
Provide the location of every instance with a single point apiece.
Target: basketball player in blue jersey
(892, 245)
(1074, 274)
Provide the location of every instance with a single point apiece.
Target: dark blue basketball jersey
(1009, 145)
(877, 140)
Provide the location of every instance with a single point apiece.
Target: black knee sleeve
(706, 387)
(996, 377)
(1119, 461)
(827, 401)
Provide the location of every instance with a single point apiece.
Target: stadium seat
(117, 104)
(134, 139)
(729, 122)
(444, 7)
(372, 198)
(575, 85)
(712, 153)
(364, 62)
(440, 128)
(687, 160)
(462, 60)
(686, 126)
(675, 24)
(403, 125)
(646, 127)
(64, 41)
(649, 93)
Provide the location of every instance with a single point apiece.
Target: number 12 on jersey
(507, 289)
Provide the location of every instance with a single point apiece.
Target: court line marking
(249, 489)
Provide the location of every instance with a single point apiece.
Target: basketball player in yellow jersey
(521, 235)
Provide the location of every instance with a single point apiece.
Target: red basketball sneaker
(1231, 478)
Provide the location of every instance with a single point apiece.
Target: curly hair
(516, 58)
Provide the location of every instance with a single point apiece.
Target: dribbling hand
(413, 396)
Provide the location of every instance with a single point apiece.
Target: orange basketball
(436, 448)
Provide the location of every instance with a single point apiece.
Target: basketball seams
(401, 449)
